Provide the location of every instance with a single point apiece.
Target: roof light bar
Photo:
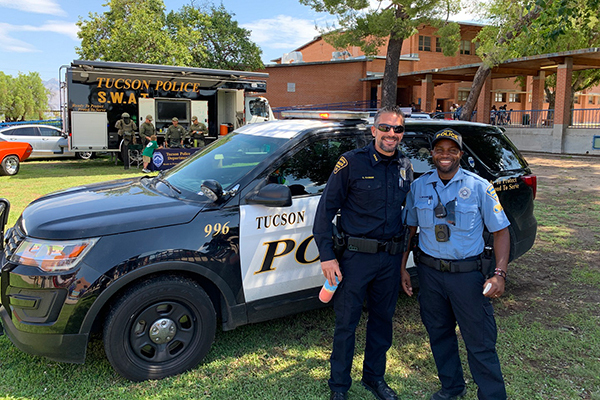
(325, 115)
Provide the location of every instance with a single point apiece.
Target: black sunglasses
(386, 128)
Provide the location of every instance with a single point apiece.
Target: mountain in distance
(54, 97)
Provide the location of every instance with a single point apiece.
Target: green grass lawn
(548, 322)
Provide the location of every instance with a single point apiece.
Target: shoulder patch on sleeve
(497, 208)
(492, 192)
(342, 163)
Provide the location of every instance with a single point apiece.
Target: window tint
(49, 132)
(26, 131)
(417, 149)
(307, 171)
(495, 152)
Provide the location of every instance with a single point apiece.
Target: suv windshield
(226, 161)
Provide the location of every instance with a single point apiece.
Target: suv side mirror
(271, 195)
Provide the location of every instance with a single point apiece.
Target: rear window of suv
(487, 144)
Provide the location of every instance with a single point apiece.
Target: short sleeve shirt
(476, 204)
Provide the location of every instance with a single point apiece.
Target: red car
(11, 154)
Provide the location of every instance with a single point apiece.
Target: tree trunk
(478, 81)
(484, 69)
(389, 86)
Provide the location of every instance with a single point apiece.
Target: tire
(84, 155)
(158, 328)
(10, 165)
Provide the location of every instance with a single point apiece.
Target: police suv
(154, 263)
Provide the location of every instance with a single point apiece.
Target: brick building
(317, 73)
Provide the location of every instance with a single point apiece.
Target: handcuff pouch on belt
(393, 246)
(339, 243)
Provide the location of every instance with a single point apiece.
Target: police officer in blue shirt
(450, 206)
(368, 186)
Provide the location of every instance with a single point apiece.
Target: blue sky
(41, 35)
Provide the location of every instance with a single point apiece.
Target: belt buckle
(445, 265)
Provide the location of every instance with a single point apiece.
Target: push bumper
(57, 347)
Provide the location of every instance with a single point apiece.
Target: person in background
(368, 186)
(126, 129)
(148, 151)
(147, 130)
(175, 134)
(451, 206)
(197, 132)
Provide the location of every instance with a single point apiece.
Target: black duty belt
(372, 246)
(466, 265)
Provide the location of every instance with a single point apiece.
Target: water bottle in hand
(327, 291)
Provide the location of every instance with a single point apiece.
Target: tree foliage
(140, 31)
(391, 21)
(23, 97)
(531, 27)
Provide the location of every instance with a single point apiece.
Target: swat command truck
(94, 94)
(225, 237)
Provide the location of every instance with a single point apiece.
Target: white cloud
(282, 32)
(11, 43)
(35, 6)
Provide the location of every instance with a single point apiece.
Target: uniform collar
(434, 177)
(375, 157)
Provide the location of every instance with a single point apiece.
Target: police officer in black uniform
(369, 186)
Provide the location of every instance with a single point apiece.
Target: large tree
(529, 27)
(23, 97)
(140, 31)
(213, 38)
(391, 21)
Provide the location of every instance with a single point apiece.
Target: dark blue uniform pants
(445, 299)
(375, 277)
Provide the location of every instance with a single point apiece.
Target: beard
(385, 146)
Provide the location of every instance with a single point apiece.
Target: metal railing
(53, 122)
(523, 118)
(585, 118)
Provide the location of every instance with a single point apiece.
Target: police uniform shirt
(369, 190)
(147, 130)
(199, 128)
(476, 203)
(175, 132)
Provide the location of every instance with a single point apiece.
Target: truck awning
(208, 78)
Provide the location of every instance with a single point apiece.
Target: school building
(317, 73)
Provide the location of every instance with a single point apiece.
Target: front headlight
(52, 256)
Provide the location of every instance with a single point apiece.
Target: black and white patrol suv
(154, 263)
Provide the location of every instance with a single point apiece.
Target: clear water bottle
(327, 291)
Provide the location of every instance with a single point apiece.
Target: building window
(462, 95)
(590, 99)
(529, 98)
(438, 45)
(500, 97)
(291, 87)
(477, 44)
(465, 47)
(424, 43)
(576, 99)
(514, 97)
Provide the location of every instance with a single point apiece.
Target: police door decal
(278, 251)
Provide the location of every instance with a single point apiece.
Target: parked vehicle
(154, 263)
(94, 95)
(47, 141)
(11, 155)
